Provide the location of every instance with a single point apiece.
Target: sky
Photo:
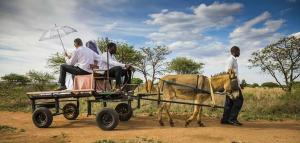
(202, 30)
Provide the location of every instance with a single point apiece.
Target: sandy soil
(84, 129)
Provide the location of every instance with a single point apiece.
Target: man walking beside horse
(233, 104)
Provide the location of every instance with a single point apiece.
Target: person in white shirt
(78, 63)
(116, 69)
(233, 106)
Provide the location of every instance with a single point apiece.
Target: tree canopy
(183, 65)
(13, 78)
(281, 59)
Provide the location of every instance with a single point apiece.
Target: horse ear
(231, 72)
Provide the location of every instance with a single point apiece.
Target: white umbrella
(57, 32)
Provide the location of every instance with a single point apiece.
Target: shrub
(269, 84)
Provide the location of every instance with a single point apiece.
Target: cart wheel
(125, 111)
(42, 117)
(107, 119)
(70, 111)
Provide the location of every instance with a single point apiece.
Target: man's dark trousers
(117, 72)
(74, 70)
(232, 108)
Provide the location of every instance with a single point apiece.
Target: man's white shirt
(83, 57)
(112, 61)
(233, 64)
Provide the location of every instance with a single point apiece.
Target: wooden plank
(59, 92)
(48, 92)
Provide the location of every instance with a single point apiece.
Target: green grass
(7, 129)
(135, 140)
(13, 97)
(10, 129)
(286, 106)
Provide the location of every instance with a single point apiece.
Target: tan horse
(226, 82)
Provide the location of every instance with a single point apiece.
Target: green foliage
(54, 61)
(253, 85)
(296, 84)
(244, 83)
(183, 65)
(104, 141)
(135, 140)
(136, 81)
(269, 84)
(281, 59)
(125, 52)
(7, 129)
(15, 79)
(102, 44)
(40, 79)
(13, 98)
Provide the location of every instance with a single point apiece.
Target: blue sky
(202, 30)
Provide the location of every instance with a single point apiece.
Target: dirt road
(84, 129)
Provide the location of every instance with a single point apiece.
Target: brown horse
(223, 82)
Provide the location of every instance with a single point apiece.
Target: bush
(40, 79)
(15, 79)
(269, 84)
(137, 81)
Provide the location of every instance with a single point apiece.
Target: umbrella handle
(61, 41)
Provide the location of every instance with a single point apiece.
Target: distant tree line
(38, 79)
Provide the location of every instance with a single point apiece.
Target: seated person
(78, 63)
(116, 69)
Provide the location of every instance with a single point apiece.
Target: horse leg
(161, 123)
(199, 118)
(168, 105)
(195, 113)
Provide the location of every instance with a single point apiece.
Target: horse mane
(219, 74)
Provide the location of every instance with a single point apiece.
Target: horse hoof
(161, 123)
(186, 124)
(201, 124)
(172, 124)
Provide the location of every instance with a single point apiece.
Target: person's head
(77, 42)
(112, 48)
(235, 51)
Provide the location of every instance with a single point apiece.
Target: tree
(54, 61)
(13, 78)
(40, 79)
(102, 44)
(142, 65)
(137, 81)
(244, 83)
(155, 58)
(183, 65)
(254, 85)
(280, 59)
(125, 52)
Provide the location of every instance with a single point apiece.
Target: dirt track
(85, 130)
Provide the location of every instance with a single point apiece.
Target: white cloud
(111, 26)
(183, 45)
(22, 24)
(248, 37)
(297, 35)
(176, 25)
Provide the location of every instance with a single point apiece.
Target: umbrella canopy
(57, 32)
